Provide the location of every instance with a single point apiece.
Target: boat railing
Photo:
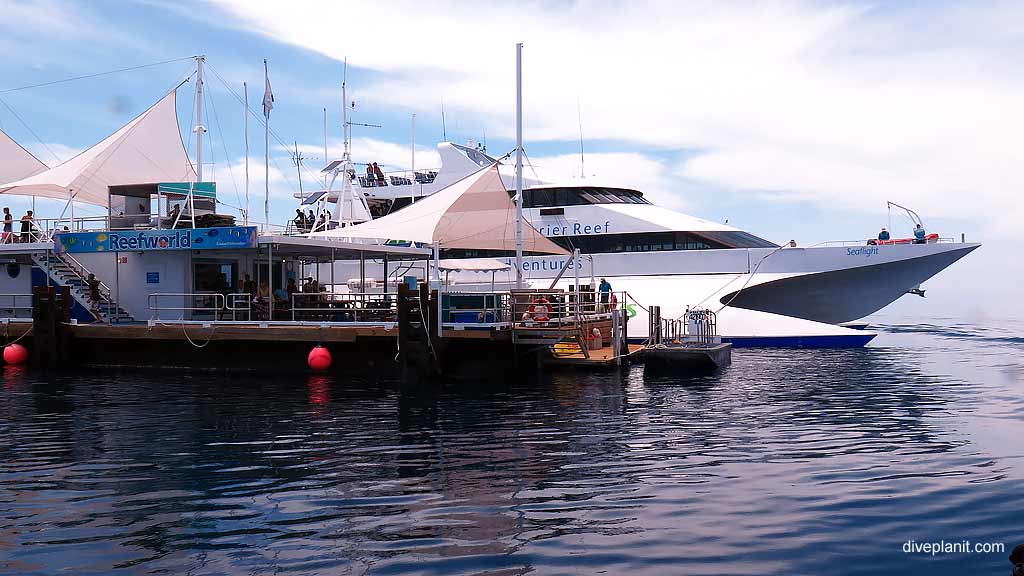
(326, 307)
(873, 241)
(397, 178)
(461, 309)
(16, 306)
(239, 304)
(83, 274)
(185, 302)
(559, 306)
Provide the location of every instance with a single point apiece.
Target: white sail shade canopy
(473, 213)
(474, 265)
(147, 150)
(15, 161)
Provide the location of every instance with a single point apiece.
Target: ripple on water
(799, 462)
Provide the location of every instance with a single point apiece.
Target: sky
(789, 119)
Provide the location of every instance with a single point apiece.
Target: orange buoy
(15, 354)
(319, 358)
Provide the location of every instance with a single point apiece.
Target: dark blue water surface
(789, 462)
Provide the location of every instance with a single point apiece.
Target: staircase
(65, 270)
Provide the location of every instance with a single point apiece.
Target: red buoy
(15, 354)
(319, 358)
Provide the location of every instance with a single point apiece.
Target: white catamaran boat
(765, 294)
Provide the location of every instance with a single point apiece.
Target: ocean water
(789, 462)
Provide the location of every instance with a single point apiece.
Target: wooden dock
(408, 343)
(597, 358)
(206, 331)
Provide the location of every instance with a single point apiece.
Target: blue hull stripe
(844, 341)
(833, 341)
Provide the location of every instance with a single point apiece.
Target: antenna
(579, 118)
(199, 129)
(326, 160)
(297, 159)
(444, 132)
(348, 123)
(910, 213)
(344, 112)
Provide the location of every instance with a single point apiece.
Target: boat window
(477, 156)
(578, 196)
(736, 239)
(539, 198)
(660, 241)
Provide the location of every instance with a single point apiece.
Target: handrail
(840, 243)
(83, 274)
(335, 303)
(567, 304)
(153, 302)
(231, 303)
(14, 308)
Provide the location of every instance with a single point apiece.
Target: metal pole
(519, 166)
(325, 144)
(615, 336)
(199, 117)
(117, 282)
(413, 181)
(576, 269)
(333, 289)
(440, 288)
(266, 157)
(245, 89)
(270, 280)
(362, 272)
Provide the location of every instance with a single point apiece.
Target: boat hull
(782, 297)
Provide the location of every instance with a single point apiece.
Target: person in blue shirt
(606, 289)
(883, 235)
(919, 235)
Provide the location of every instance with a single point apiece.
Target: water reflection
(774, 465)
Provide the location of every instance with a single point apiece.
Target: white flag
(268, 94)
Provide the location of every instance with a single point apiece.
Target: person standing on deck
(883, 235)
(919, 236)
(8, 225)
(94, 293)
(605, 288)
(26, 226)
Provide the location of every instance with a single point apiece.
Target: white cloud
(626, 169)
(388, 155)
(53, 153)
(231, 188)
(842, 104)
(39, 32)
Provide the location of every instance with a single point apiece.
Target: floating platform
(597, 358)
(682, 357)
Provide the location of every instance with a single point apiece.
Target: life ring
(613, 302)
(539, 309)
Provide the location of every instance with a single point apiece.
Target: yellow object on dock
(600, 357)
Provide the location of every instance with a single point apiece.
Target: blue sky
(789, 119)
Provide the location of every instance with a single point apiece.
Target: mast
(200, 129)
(298, 166)
(345, 198)
(245, 90)
(414, 153)
(519, 166)
(344, 115)
(326, 159)
(268, 103)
